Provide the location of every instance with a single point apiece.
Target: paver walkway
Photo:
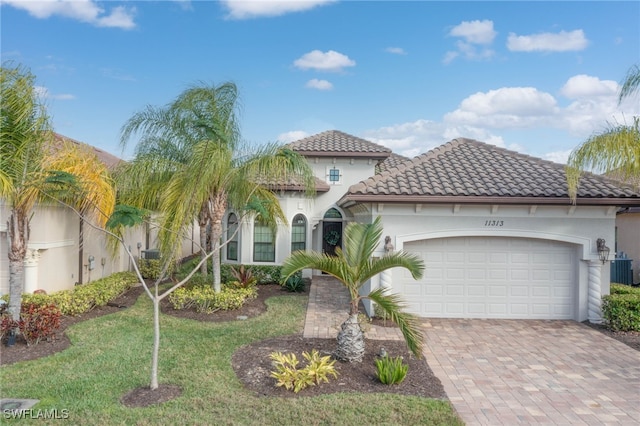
(509, 372)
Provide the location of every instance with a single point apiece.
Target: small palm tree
(353, 266)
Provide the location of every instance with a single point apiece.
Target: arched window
(264, 248)
(232, 237)
(298, 233)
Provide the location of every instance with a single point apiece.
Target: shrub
(39, 322)
(150, 268)
(391, 370)
(243, 277)
(621, 309)
(205, 299)
(7, 324)
(85, 297)
(294, 283)
(287, 374)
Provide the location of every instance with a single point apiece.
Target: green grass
(111, 355)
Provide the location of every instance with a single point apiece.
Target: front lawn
(111, 355)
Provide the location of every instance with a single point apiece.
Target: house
(627, 242)
(497, 230)
(63, 253)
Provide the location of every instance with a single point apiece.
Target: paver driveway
(507, 372)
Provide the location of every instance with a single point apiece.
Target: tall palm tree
(191, 165)
(616, 150)
(353, 266)
(28, 157)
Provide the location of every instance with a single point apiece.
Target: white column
(595, 292)
(31, 270)
(385, 281)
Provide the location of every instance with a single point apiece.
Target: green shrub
(621, 309)
(39, 322)
(295, 283)
(85, 297)
(205, 299)
(391, 370)
(150, 268)
(287, 373)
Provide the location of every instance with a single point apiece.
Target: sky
(535, 77)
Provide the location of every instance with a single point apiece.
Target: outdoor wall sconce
(603, 250)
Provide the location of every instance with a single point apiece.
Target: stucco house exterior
(59, 255)
(497, 231)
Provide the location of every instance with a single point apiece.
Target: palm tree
(191, 165)
(616, 150)
(353, 266)
(28, 158)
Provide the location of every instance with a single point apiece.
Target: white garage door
(492, 277)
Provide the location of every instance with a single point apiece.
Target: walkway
(508, 372)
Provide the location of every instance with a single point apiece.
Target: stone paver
(509, 372)
(504, 372)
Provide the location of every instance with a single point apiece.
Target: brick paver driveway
(506, 372)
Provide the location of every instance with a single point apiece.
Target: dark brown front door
(331, 237)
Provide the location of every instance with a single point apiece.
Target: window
(334, 176)
(264, 249)
(232, 237)
(298, 233)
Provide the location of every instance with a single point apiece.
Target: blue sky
(536, 77)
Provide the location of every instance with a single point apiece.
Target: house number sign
(493, 223)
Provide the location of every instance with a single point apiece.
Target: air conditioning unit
(151, 254)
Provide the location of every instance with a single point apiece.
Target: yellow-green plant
(391, 370)
(287, 373)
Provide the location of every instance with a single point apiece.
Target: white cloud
(476, 36)
(81, 10)
(268, 8)
(558, 156)
(564, 41)
(44, 93)
(585, 86)
(395, 50)
(116, 74)
(507, 107)
(324, 61)
(291, 136)
(475, 32)
(319, 84)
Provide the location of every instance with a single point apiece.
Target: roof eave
(375, 156)
(350, 199)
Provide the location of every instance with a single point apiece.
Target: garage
(493, 277)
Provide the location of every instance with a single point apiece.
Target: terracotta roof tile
(334, 143)
(393, 160)
(468, 170)
(108, 159)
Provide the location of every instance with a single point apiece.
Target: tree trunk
(18, 232)
(218, 209)
(350, 341)
(156, 341)
(203, 244)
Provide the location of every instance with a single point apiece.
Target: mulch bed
(253, 365)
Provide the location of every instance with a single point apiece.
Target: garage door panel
(493, 277)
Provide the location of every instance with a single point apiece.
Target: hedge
(621, 309)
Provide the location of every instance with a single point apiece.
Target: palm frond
(615, 150)
(631, 84)
(408, 324)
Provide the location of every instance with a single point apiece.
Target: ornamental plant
(39, 322)
(391, 370)
(288, 375)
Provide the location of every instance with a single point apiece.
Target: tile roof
(108, 159)
(334, 143)
(393, 160)
(468, 171)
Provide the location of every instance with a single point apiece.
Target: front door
(331, 237)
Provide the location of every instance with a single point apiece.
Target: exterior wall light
(603, 250)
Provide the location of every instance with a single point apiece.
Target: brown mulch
(253, 365)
